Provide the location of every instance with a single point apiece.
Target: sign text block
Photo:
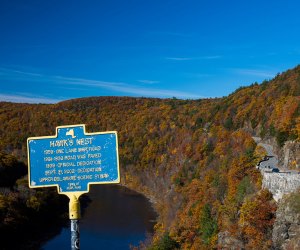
(73, 159)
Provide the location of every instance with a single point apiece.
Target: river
(114, 219)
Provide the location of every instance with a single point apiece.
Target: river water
(114, 219)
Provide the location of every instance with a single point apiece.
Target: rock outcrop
(286, 229)
(290, 156)
(226, 241)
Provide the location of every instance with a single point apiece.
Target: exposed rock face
(226, 241)
(281, 183)
(286, 230)
(291, 155)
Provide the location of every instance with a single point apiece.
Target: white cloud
(26, 99)
(26, 73)
(148, 81)
(210, 57)
(127, 88)
(255, 72)
(61, 82)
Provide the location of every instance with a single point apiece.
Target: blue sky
(57, 50)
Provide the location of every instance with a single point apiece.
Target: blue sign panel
(73, 159)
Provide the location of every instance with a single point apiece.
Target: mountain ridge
(197, 158)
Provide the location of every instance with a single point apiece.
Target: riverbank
(133, 184)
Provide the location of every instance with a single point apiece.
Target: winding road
(271, 160)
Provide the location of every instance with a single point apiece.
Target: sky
(57, 50)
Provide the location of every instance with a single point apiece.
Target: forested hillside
(24, 212)
(195, 158)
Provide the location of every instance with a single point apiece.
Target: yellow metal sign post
(74, 214)
(71, 160)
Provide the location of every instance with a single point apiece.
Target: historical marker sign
(73, 159)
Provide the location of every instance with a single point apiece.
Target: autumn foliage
(195, 157)
(256, 220)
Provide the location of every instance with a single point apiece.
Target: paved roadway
(271, 159)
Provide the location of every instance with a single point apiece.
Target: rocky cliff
(286, 230)
(290, 155)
